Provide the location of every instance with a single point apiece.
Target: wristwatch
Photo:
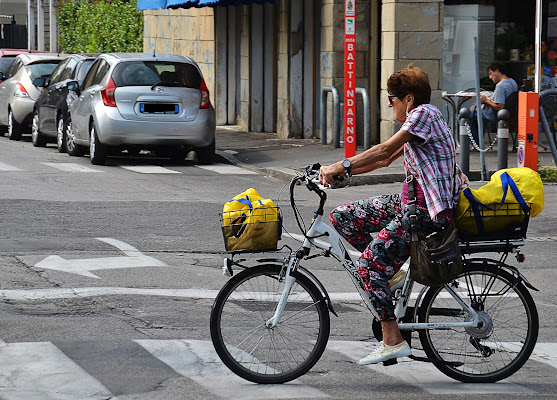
(347, 167)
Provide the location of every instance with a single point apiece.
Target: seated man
(491, 105)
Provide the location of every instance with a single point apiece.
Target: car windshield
(5, 63)
(43, 69)
(150, 73)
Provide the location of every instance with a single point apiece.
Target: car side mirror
(74, 86)
(40, 82)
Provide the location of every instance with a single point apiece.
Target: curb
(286, 174)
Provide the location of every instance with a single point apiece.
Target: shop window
(504, 34)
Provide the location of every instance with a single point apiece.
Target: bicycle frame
(337, 247)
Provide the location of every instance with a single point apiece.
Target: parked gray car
(51, 108)
(18, 93)
(137, 101)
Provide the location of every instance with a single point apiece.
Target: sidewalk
(281, 158)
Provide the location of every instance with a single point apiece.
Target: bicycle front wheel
(508, 328)
(256, 352)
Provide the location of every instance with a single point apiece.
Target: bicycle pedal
(392, 361)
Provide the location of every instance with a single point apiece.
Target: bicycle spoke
(270, 354)
(482, 353)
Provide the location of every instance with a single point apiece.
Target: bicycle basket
(251, 231)
(500, 221)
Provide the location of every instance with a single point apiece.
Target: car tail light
(20, 90)
(205, 101)
(107, 94)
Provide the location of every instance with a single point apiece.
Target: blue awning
(158, 4)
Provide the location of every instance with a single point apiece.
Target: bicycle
(270, 323)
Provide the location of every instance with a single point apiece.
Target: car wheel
(72, 147)
(97, 150)
(37, 137)
(206, 154)
(14, 129)
(3, 130)
(61, 135)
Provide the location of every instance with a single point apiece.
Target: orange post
(528, 117)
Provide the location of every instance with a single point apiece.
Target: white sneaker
(384, 352)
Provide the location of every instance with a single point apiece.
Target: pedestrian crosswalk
(43, 370)
(221, 169)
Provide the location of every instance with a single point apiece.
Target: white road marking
(133, 259)
(421, 374)
(197, 360)
(7, 168)
(150, 169)
(225, 169)
(39, 370)
(543, 352)
(36, 371)
(71, 167)
(68, 293)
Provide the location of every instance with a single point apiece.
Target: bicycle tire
(505, 341)
(269, 355)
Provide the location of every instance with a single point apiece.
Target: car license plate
(158, 108)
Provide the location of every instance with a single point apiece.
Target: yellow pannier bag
(502, 204)
(251, 223)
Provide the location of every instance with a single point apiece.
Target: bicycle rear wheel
(269, 355)
(507, 335)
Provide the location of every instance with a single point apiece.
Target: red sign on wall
(350, 78)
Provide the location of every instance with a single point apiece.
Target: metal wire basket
(251, 231)
(496, 221)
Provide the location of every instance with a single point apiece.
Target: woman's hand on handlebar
(329, 175)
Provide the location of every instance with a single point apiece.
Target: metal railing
(337, 126)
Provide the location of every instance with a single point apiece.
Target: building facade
(266, 64)
(39, 18)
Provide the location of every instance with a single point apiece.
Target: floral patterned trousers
(383, 256)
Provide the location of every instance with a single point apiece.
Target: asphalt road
(108, 274)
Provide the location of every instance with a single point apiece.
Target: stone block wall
(188, 32)
(412, 32)
(332, 56)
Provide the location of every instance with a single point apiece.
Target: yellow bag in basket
(251, 223)
(239, 208)
(264, 210)
(503, 202)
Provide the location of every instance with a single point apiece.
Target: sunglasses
(391, 97)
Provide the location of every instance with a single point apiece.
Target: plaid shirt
(431, 158)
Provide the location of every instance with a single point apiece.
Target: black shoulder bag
(434, 260)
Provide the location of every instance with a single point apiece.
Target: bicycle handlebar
(311, 179)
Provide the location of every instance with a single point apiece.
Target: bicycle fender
(502, 265)
(320, 286)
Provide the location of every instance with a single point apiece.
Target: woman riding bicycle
(429, 156)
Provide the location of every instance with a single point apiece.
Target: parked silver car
(136, 101)
(18, 93)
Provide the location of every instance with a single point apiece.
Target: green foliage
(548, 174)
(100, 26)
